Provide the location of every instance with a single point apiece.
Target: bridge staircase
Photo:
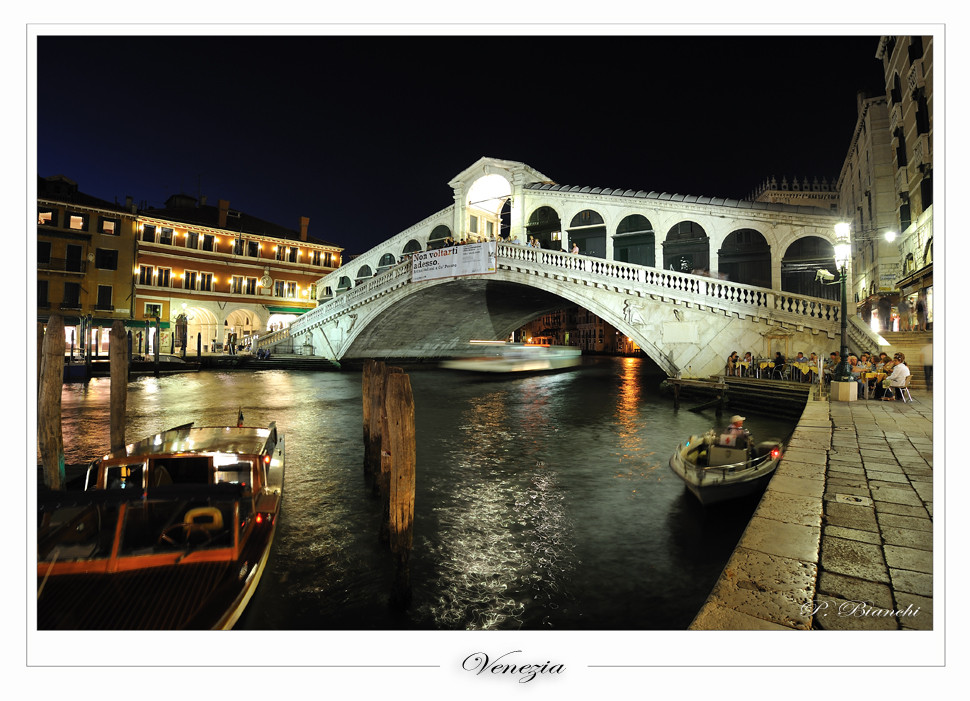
(911, 345)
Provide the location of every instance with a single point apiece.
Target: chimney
(129, 204)
(304, 225)
(223, 213)
(202, 200)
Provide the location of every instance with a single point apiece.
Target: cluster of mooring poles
(389, 460)
(50, 364)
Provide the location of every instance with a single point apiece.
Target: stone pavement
(843, 536)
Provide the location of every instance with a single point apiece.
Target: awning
(140, 323)
(287, 310)
(917, 280)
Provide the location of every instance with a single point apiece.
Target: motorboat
(505, 357)
(172, 532)
(715, 468)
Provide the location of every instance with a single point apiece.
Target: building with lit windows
(908, 67)
(85, 254)
(867, 200)
(224, 271)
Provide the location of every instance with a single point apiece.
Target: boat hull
(518, 358)
(719, 483)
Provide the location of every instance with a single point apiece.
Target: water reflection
(542, 502)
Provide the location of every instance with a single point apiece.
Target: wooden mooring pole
(49, 404)
(399, 452)
(118, 360)
(375, 374)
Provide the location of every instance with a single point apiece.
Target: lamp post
(843, 251)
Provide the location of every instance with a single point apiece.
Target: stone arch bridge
(690, 279)
(687, 324)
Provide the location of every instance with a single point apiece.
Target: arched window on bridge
(687, 248)
(387, 261)
(412, 246)
(588, 230)
(363, 274)
(635, 241)
(545, 225)
(800, 266)
(440, 237)
(343, 284)
(745, 257)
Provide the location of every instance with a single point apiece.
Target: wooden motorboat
(172, 532)
(715, 472)
(502, 357)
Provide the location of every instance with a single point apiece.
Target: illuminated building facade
(224, 271)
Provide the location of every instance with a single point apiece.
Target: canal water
(542, 503)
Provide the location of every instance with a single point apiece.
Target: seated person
(897, 378)
(779, 364)
(857, 369)
(829, 368)
(732, 363)
(748, 361)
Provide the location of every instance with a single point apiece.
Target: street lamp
(843, 252)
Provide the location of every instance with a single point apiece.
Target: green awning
(288, 310)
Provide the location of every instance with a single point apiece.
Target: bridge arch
(588, 229)
(635, 241)
(545, 225)
(800, 263)
(686, 247)
(745, 257)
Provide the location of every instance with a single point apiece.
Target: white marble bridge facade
(688, 324)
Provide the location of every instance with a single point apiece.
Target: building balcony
(63, 265)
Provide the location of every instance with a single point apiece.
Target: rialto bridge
(687, 313)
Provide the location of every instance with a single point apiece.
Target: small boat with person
(171, 532)
(727, 465)
(506, 357)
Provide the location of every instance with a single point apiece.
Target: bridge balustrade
(630, 278)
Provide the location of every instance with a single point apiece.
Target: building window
(316, 257)
(166, 236)
(205, 282)
(280, 288)
(72, 296)
(473, 224)
(152, 310)
(164, 277)
(236, 284)
(42, 298)
(189, 279)
(490, 229)
(106, 259)
(111, 227)
(237, 246)
(208, 242)
(252, 249)
(192, 240)
(250, 285)
(280, 253)
(291, 290)
(43, 252)
(78, 222)
(294, 254)
(104, 298)
(47, 217)
(148, 233)
(145, 274)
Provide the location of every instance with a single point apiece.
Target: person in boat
(736, 435)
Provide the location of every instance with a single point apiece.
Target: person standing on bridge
(575, 248)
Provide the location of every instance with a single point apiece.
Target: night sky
(362, 133)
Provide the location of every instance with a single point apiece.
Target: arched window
(545, 225)
(387, 261)
(440, 237)
(588, 231)
(635, 241)
(687, 248)
(412, 246)
(745, 257)
(363, 273)
(800, 266)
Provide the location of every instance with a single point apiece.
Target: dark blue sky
(362, 134)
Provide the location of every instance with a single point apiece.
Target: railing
(273, 338)
(633, 279)
(730, 296)
(70, 265)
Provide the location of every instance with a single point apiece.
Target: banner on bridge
(469, 259)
